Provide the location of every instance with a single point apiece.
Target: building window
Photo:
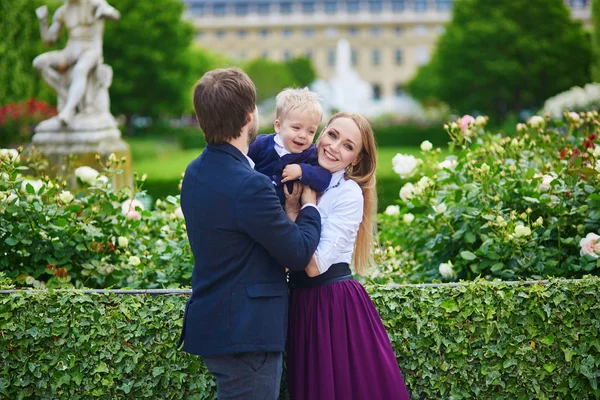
(420, 5)
(241, 9)
(309, 32)
(264, 33)
(398, 30)
(375, 6)
(354, 57)
(422, 55)
(287, 55)
(331, 57)
(331, 32)
(308, 7)
(399, 90)
(376, 31)
(353, 31)
(242, 33)
(286, 32)
(264, 54)
(398, 56)
(352, 6)
(219, 9)
(397, 5)
(220, 34)
(376, 92)
(285, 8)
(331, 7)
(376, 57)
(421, 30)
(263, 8)
(197, 8)
(443, 5)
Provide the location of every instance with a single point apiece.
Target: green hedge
(475, 340)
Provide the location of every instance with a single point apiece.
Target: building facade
(389, 39)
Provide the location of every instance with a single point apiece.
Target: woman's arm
(292, 200)
(312, 270)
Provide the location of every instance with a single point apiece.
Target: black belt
(336, 273)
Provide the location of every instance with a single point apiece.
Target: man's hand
(309, 195)
(292, 200)
(291, 172)
(42, 12)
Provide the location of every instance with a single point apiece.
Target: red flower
(563, 153)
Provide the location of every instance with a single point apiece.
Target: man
(84, 20)
(242, 241)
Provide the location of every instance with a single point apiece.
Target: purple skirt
(338, 347)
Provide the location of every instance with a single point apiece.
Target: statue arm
(105, 10)
(49, 35)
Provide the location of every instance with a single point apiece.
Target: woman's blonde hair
(363, 173)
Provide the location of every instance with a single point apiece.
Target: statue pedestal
(83, 146)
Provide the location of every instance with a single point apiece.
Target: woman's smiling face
(340, 145)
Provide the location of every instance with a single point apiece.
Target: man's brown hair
(222, 100)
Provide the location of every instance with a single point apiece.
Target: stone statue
(77, 72)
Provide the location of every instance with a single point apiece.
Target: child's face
(297, 130)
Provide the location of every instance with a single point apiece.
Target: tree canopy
(499, 57)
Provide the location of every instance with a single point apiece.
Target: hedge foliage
(485, 340)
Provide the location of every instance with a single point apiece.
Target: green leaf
(101, 367)
(549, 340)
(467, 255)
(11, 241)
(550, 367)
(449, 305)
(61, 222)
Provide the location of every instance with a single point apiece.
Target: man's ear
(277, 126)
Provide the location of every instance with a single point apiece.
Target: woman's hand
(309, 196)
(312, 270)
(292, 200)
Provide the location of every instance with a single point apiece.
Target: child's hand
(291, 172)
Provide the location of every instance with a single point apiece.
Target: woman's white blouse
(341, 208)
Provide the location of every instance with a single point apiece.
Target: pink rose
(589, 245)
(465, 121)
(129, 209)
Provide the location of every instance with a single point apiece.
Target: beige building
(390, 39)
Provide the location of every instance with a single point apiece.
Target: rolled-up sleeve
(339, 228)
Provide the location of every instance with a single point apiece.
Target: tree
(270, 77)
(596, 40)
(499, 57)
(302, 71)
(20, 43)
(148, 50)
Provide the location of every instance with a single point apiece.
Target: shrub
(484, 340)
(89, 236)
(522, 207)
(575, 99)
(17, 120)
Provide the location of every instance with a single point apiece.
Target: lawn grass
(164, 162)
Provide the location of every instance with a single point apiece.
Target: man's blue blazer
(242, 241)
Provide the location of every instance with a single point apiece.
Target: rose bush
(89, 236)
(499, 207)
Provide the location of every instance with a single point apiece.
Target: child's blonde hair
(291, 99)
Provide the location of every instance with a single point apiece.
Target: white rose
(392, 210)
(408, 218)
(485, 168)
(424, 183)
(101, 180)
(178, 213)
(404, 165)
(131, 205)
(536, 122)
(449, 163)
(112, 158)
(596, 151)
(406, 192)
(134, 260)
(86, 174)
(521, 231)
(426, 145)
(481, 121)
(66, 197)
(2, 196)
(440, 208)
(11, 198)
(589, 245)
(36, 184)
(546, 181)
(446, 270)
(598, 166)
(123, 242)
(9, 155)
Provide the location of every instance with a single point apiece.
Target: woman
(337, 345)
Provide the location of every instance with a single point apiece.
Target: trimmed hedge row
(481, 339)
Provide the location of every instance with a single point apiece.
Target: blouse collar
(336, 178)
